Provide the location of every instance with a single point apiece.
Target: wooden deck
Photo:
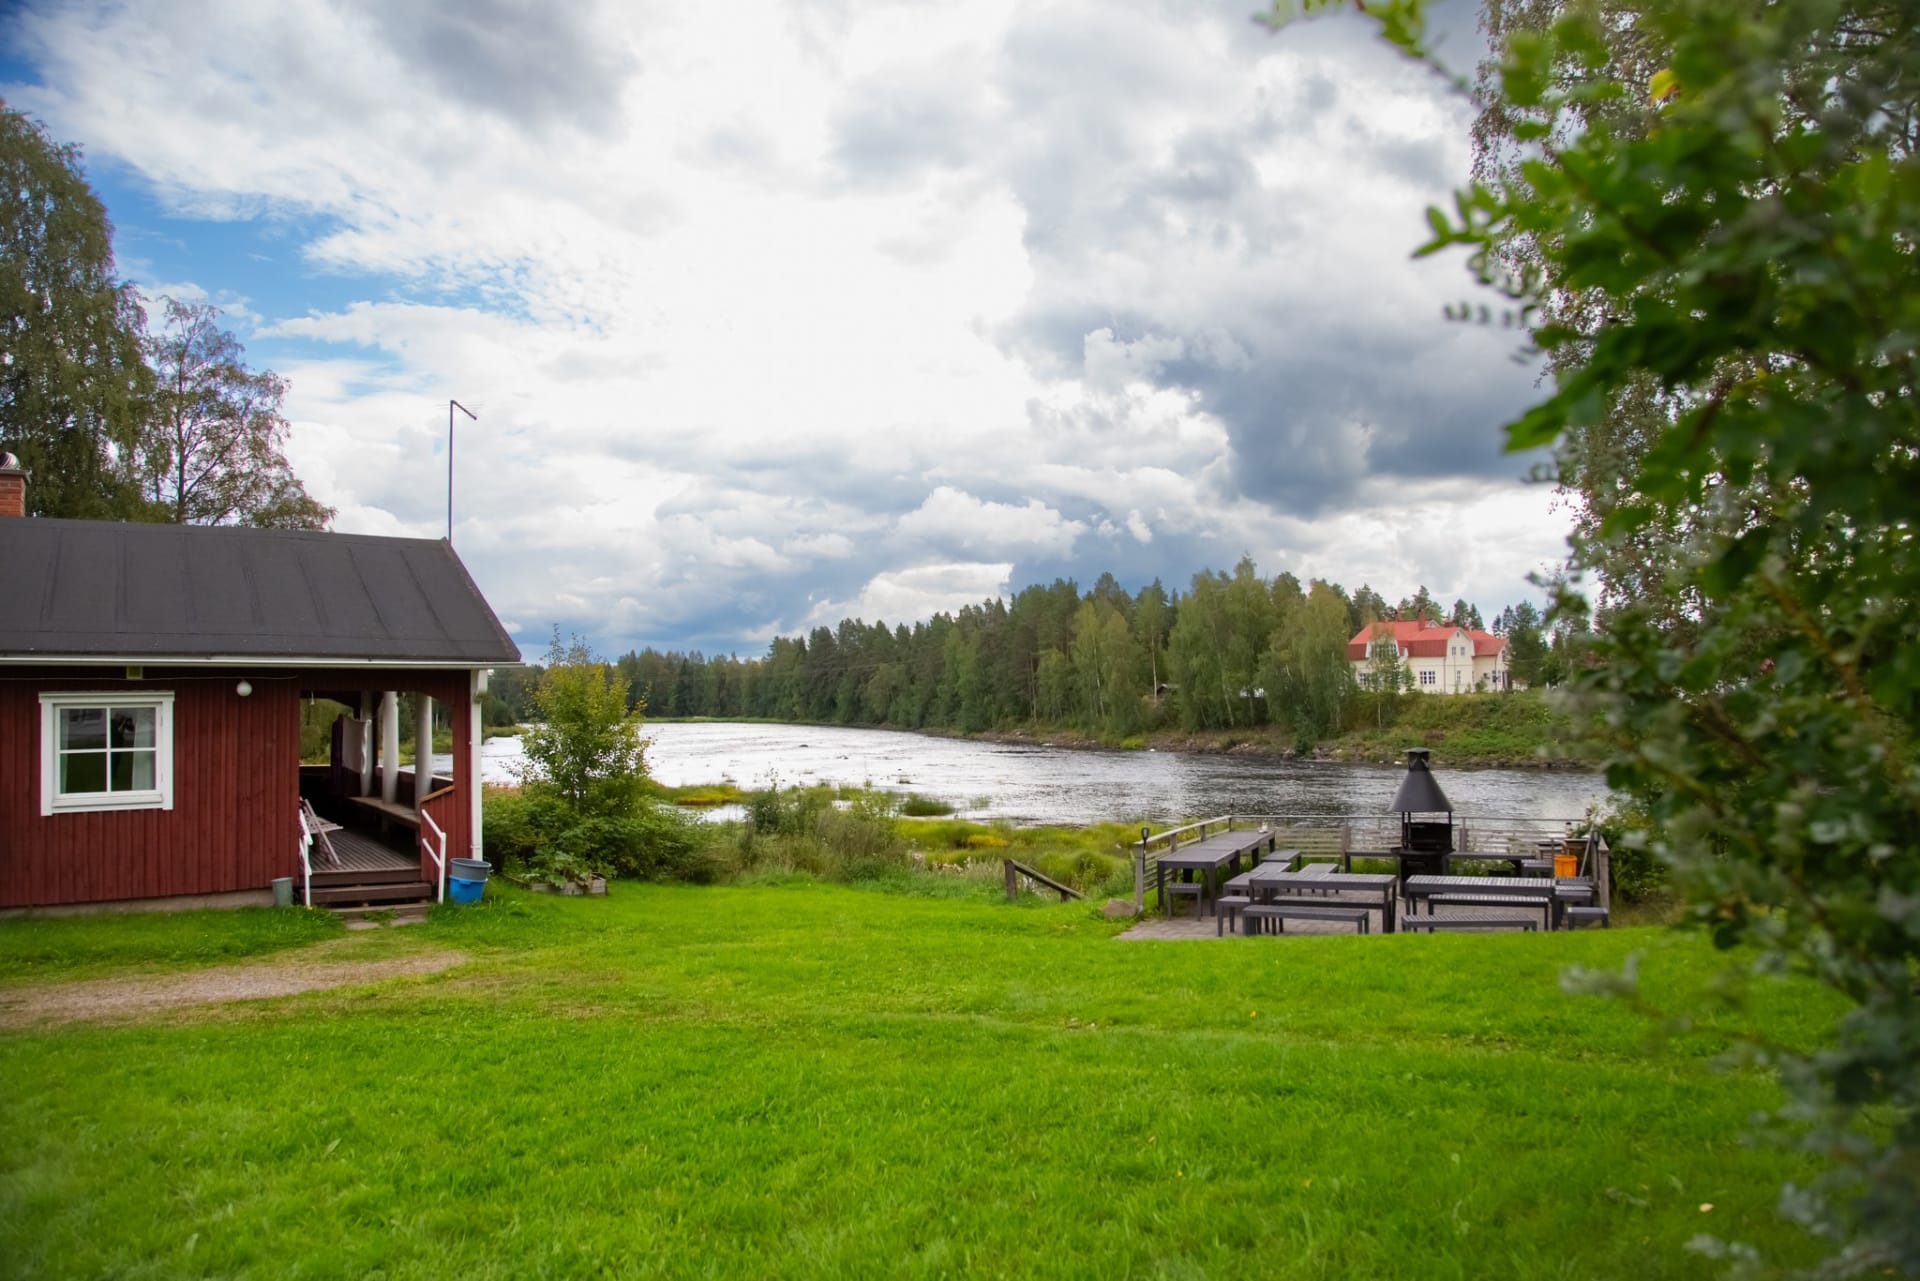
(370, 875)
(360, 853)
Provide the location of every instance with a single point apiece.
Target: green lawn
(803, 1079)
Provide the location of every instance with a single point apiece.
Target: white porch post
(478, 683)
(422, 748)
(389, 746)
(365, 729)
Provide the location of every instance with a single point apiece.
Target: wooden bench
(1226, 912)
(1543, 905)
(1575, 917)
(1432, 923)
(1256, 915)
(387, 811)
(1184, 889)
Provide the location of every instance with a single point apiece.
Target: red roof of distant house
(1423, 638)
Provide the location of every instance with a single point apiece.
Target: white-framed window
(1429, 677)
(106, 751)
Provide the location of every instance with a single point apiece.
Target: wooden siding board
(236, 781)
(236, 790)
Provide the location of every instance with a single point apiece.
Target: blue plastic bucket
(461, 890)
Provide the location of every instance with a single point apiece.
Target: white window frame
(157, 797)
(1429, 677)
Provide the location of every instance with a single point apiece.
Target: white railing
(439, 856)
(306, 861)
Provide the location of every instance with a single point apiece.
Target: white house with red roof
(1442, 658)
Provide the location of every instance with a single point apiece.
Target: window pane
(133, 771)
(83, 772)
(83, 727)
(133, 726)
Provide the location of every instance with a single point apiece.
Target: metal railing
(1339, 834)
(438, 856)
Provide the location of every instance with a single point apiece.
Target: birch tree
(213, 449)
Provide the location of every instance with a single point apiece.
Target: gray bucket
(283, 891)
(469, 869)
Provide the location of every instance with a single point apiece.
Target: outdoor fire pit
(1426, 819)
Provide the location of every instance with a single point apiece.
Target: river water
(1040, 784)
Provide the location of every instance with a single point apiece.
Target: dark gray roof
(100, 589)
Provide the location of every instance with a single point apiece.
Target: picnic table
(1275, 885)
(1545, 893)
(1346, 857)
(1207, 857)
(1518, 862)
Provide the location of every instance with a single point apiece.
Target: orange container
(1566, 865)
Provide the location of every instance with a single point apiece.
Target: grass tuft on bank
(803, 1079)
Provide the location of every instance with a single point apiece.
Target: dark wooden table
(1534, 891)
(1516, 861)
(1269, 886)
(1207, 857)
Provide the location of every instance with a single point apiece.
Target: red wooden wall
(235, 798)
(236, 769)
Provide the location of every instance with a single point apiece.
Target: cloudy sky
(778, 313)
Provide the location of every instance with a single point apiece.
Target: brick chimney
(13, 486)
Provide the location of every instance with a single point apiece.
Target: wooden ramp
(1016, 869)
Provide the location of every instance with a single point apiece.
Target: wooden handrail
(439, 856)
(1016, 869)
(306, 863)
(448, 790)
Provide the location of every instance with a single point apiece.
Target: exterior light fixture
(243, 689)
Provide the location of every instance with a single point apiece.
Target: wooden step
(331, 876)
(413, 891)
(366, 918)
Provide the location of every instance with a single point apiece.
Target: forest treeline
(1236, 650)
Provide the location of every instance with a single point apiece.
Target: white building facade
(1439, 658)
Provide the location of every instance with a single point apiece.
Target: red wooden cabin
(151, 679)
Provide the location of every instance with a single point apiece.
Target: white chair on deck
(319, 827)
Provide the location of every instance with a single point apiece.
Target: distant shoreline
(1259, 744)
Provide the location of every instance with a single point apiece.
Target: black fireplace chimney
(1420, 791)
(1424, 842)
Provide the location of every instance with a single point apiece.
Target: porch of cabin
(394, 838)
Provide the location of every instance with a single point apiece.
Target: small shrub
(536, 835)
(787, 811)
(861, 836)
(1638, 876)
(987, 841)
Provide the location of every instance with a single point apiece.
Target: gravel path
(103, 1000)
